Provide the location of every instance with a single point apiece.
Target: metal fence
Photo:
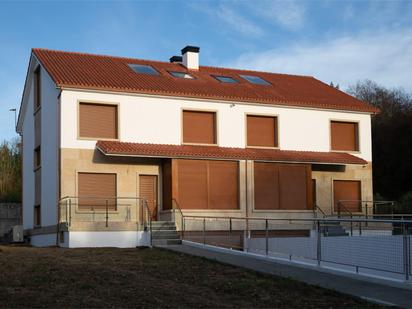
(368, 246)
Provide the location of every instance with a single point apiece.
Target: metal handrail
(150, 221)
(315, 208)
(373, 204)
(300, 219)
(175, 202)
(143, 204)
(340, 205)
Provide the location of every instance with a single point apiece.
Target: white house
(111, 143)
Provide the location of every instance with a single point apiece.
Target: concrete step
(166, 242)
(175, 236)
(164, 233)
(164, 228)
(332, 234)
(333, 228)
(163, 222)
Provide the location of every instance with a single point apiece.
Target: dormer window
(181, 75)
(255, 79)
(226, 79)
(143, 69)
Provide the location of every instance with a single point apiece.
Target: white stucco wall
(149, 119)
(28, 174)
(120, 239)
(49, 153)
(49, 150)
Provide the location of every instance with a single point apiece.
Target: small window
(143, 69)
(181, 75)
(97, 191)
(37, 89)
(37, 157)
(262, 131)
(199, 127)
(226, 79)
(255, 79)
(97, 121)
(344, 136)
(37, 216)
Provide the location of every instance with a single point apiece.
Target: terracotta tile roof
(79, 70)
(224, 153)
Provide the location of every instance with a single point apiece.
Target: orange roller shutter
(344, 136)
(293, 181)
(192, 184)
(95, 188)
(223, 185)
(199, 127)
(262, 131)
(349, 190)
(266, 186)
(98, 121)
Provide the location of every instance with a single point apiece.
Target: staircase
(332, 228)
(164, 233)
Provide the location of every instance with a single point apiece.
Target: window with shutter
(199, 127)
(344, 136)
(262, 131)
(97, 189)
(98, 121)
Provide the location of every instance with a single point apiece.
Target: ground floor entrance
(148, 185)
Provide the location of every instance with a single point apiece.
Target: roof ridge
(256, 71)
(96, 55)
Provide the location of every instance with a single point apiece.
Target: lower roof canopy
(116, 148)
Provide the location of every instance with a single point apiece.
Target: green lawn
(53, 277)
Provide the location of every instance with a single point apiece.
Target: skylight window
(226, 79)
(255, 79)
(143, 69)
(181, 75)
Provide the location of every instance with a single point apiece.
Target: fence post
(183, 228)
(406, 252)
(230, 233)
(107, 213)
(338, 209)
(351, 225)
(67, 211)
(366, 210)
(360, 228)
(318, 247)
(204, 231)
(70, 212)
(267, 237)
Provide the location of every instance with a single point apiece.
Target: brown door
(148, 191)
(349, 191)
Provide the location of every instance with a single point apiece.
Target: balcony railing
(106, 213)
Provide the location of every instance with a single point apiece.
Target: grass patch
(107, 277)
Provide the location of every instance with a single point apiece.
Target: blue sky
(339, 41)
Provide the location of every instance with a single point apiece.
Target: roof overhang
(122, 149)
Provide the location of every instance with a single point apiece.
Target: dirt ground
(125, 278)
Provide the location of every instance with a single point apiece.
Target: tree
(10, 172)
(391, 137)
